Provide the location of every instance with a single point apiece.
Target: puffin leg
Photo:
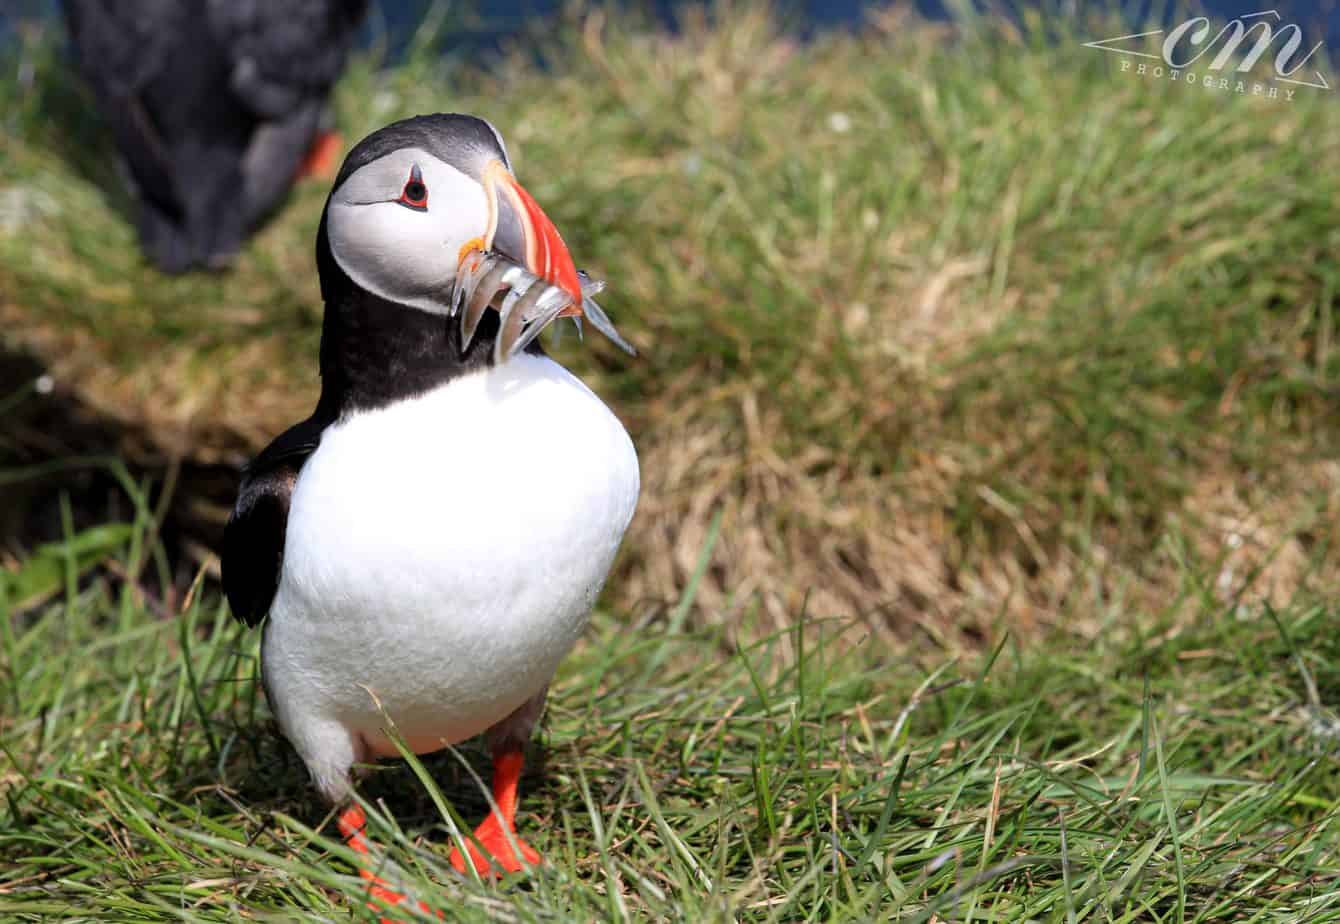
(498, 832)
(352, 825)
(507, 740)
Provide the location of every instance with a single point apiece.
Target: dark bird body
(213, 105)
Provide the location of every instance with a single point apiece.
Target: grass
(1167, 769)
(985, 565)
(971, 281)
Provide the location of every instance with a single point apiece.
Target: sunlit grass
(1165, 769)
(985, 563)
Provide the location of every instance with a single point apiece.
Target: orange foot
(494, 833)
(500, 854)
(323, 157)
(352, 823)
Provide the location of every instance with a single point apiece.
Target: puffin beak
(524, 253)
(524, 234)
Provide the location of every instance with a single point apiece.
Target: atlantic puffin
(429, 543)
(215, 107)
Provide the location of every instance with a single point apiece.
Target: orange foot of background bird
(323, 157)
(498, 832)
(352, 823)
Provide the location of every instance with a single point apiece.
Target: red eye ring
(415, 194)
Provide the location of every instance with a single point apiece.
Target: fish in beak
(524, 254)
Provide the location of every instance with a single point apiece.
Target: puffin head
(413, 200)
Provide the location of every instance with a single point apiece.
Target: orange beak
(520, 230)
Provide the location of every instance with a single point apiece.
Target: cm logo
(1185, 44)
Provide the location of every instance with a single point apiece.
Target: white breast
(443, 555)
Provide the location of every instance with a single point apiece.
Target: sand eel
(431, 540)
(215, 106)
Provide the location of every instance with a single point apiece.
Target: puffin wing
(253, 540)
(284, 54)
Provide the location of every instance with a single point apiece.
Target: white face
(396, 244)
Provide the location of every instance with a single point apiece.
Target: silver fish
(530, 305)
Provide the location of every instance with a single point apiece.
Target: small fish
(530, 305)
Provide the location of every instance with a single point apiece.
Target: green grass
(985, 565)
(1173, 765)
(972, 281)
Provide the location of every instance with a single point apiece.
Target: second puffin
(429, 543)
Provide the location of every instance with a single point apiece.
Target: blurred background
(945, 319)
(505, 17)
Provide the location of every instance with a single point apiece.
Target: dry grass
(947, 324)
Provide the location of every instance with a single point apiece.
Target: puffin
(215, 108)
(428, 544)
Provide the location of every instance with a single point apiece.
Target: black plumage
(213, 105)
(253, 541)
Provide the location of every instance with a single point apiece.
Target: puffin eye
(415, 194)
